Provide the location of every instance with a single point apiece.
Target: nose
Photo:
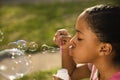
(73, 41)
(71, 47)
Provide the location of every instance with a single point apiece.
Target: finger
(65, 40)
(56, 78)
(59, 37)
(62, 32)
(56, 41)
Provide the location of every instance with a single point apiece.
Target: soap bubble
(22, 45)
(52, 49)
(44, 48)
(12, 45)
(48, 49)
(13, 63)
(33, 46)
(1, 36)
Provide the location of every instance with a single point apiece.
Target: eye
(79, 39)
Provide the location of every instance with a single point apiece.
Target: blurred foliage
(40, 75)
(116, 2)
(39, 22)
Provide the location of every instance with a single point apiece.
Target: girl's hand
(62, 38)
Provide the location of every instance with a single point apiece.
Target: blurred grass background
(38, 22)
(41, 75)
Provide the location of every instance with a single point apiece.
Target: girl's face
(85, 43)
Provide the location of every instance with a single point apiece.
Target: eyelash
(79, 39)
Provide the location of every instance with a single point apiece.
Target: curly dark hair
(104, 20)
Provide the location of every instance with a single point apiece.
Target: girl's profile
(96, 44)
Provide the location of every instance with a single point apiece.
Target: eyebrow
(78, 31)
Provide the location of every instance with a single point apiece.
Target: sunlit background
(29, 26)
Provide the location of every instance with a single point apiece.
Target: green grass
(40, 75)
(39, 22)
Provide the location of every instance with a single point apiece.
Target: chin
(79, 61)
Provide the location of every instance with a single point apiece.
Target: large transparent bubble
(13, 63)
(12, 45)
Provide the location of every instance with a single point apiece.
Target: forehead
(81, 23)
(83, 27)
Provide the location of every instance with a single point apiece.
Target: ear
(105, 49)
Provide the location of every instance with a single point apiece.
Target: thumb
(56, 78)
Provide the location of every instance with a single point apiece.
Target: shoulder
(94, 71)
(115, 76)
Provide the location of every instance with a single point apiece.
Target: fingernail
(70, 46)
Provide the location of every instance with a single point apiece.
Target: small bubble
(48, 49)
(22, 45)
(33, 46)
(45, 47)
(52, 49)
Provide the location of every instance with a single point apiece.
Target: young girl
(96, 44)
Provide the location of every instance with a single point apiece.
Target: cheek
(85, 53)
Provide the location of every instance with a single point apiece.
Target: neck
(106, 69)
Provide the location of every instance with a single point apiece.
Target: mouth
(70, 50)
(71, 53)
